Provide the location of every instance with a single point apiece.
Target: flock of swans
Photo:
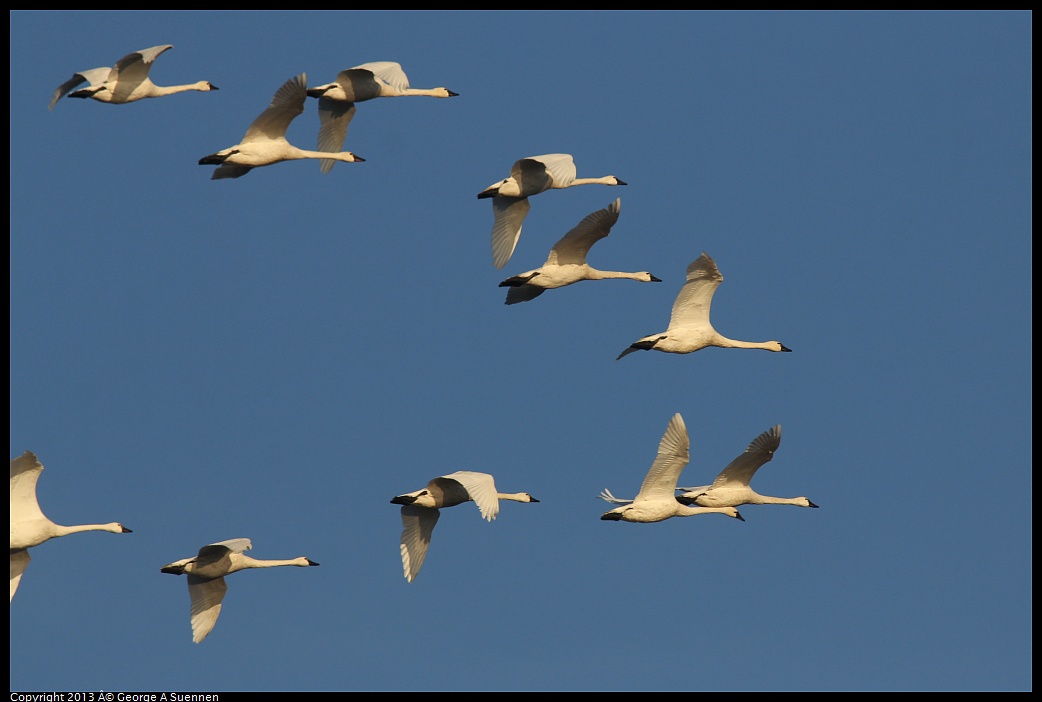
(264, 144)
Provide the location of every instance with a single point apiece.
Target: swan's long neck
(769, 500)
(595, 274)
(429, 92)
(603, 180)
(60, 530)
(246, 562)
(724, 342)
(345, 156)
(515, 496)
(161, 90)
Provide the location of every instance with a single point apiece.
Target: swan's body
(206, 573)
(265, 141)
(336, 100)
(29, 526)
(731, 486)
(420, 510)
(127, 81)
(566, 263)
(657, 500)
(528, 176)
(689, 326)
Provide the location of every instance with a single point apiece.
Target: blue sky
(277, 356)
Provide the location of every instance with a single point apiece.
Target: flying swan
(336, 100)
(421, 509)
(29, 526)
(265, 141)
(689, 326)
(528, 176)
(127, 81)
(656, 500)
(567, 261)
(206, 573)
(731, 486)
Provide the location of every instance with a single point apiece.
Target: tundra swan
(127, 81)
(731, 486)
(528, 176)
(265, 141)
(567, 261)
(420, 510)
(656, 500)
(689, 326)
(336, 100)
(206, 573)
(29, 526)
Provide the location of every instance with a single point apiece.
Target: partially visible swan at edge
(127, 81)
(731, 486)
(265, 141)
(689, 326)
(656, 500)
(206, 573)
(336, 100)
(29, 526)
(420, 510)
(528, 176)
(567, 261)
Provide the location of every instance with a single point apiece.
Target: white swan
(528, 176)
(206, 573)
(420, 510)
(567, 261)
(731, 486)
(336, 100)
(265, 141)
(656, 500)
(127, 81)
(29, 526)
(689, 326)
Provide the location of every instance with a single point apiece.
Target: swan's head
(648, 278)
(493, 190)
(777, 346)
(733, 513)
(525, 497)
(804, 502)
(329, 90)
(205, 86)
(444, 93)
(618, 181)
(350, 157)
(310, 562)
(118, 528)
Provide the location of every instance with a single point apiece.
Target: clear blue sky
(277, 356)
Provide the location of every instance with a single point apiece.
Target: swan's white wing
(534, 175)
(287, 103)
(574, 245)
(221, 548)
(760, 450)
(417, 527)
(132, 69)
(509, 212)
(691, 308)
(93, 77)
(334, 116)
(482, 489)
(25, 471)
(673, 454)
(206, 604)
(696, 489)
(559, 167)
(389, 72)
(19, 562)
